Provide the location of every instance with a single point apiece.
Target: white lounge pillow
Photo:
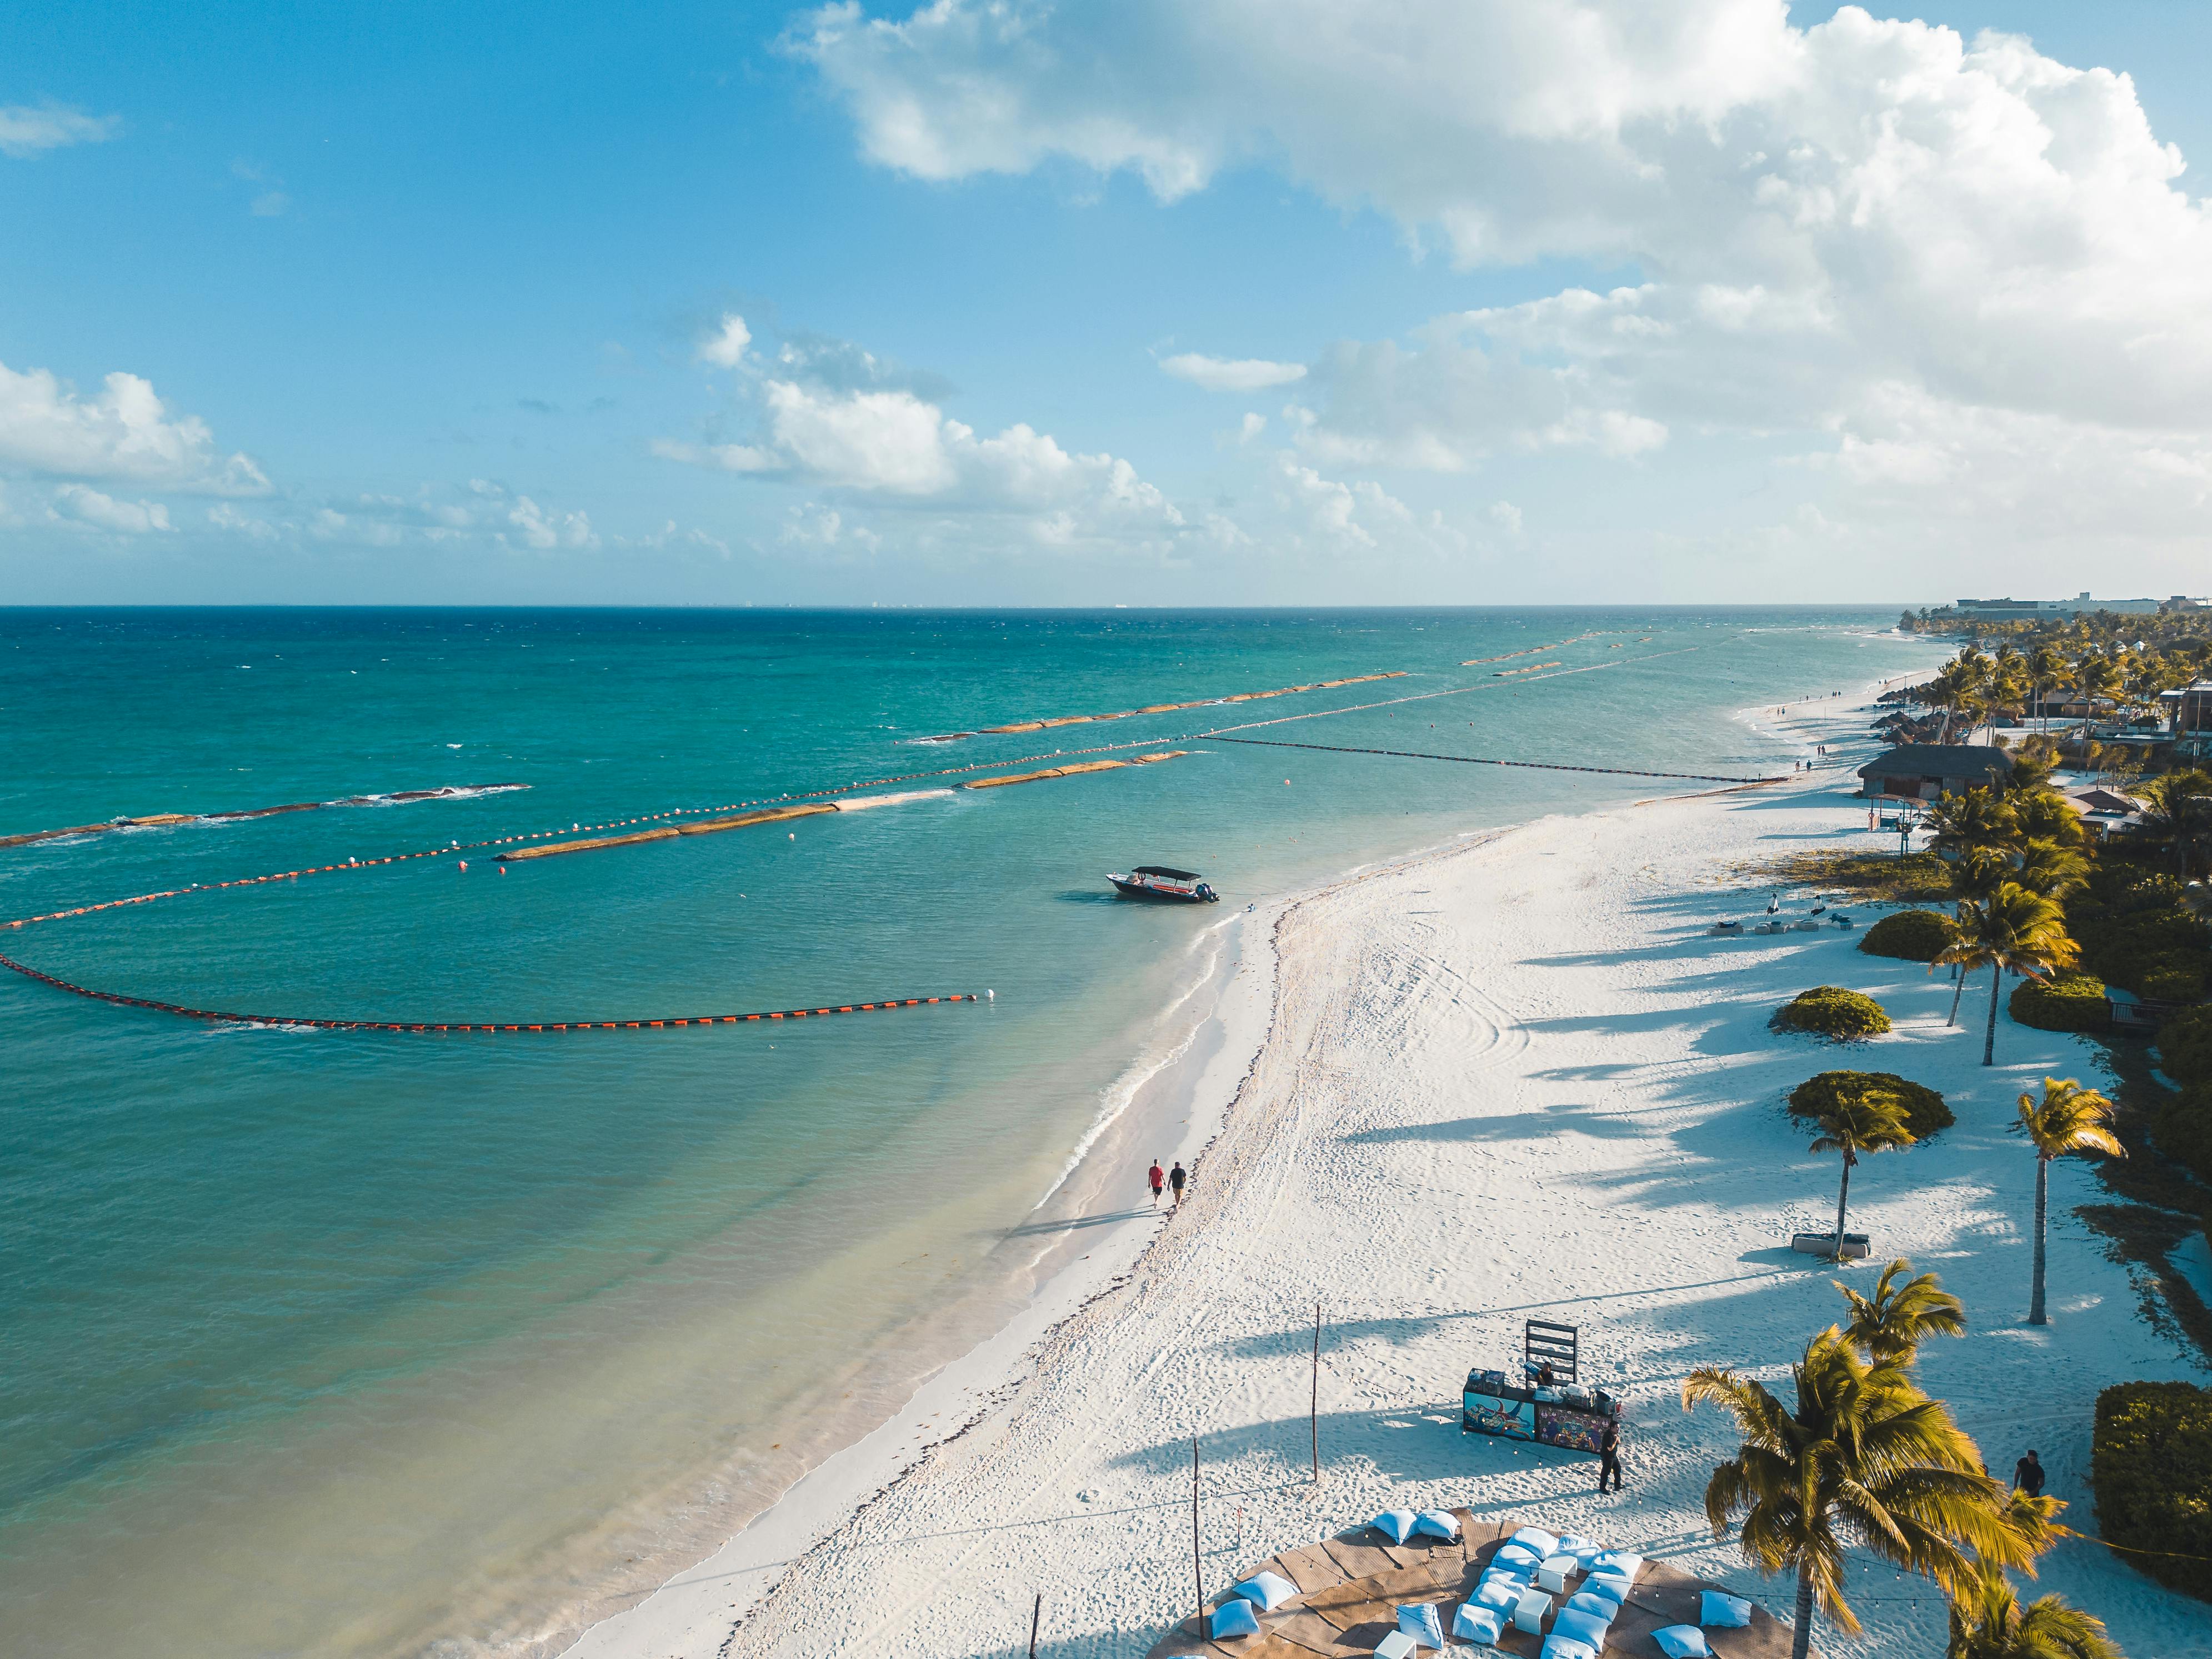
(1529, 1613)
(1396, 1645)
(1566, 1647)
(1473, 1622)
(1438, 1523)
(1269, 1590)
(1234, 1617)
(1599, 1608)
(1423, 1621)
(1626, 1563)
(1723, 1611)
(1535, 1537)
(1396, 1523)
(1503, 1595)
(1584, 1550)
(1683, 1641)
(1610, 1585)
(1517, 1555)
(1581, 1626)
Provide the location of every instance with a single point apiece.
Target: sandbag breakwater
(164, 820)
(1163, 708)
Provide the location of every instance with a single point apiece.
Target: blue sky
(420, 266)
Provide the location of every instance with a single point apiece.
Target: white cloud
(127, 432)
(544, 531)
(77, 504)
(25, 131)
(726, 347)
(1218, 374)
(1506, 517)
(270, 204)
(1954, 269)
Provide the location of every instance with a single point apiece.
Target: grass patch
(1870, 877)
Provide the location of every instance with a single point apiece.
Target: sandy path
(1512, 1078)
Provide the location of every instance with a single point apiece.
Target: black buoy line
(1224, 733)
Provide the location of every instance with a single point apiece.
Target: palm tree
(2012, 928)
(1892, 1323)
(1979, 821)
(2042, 814)
(2068, 1119)
(2051, 869)
(1865, 1458)
(1852, 1121)
(1988, 1622)
(2177, 811)
(2050, 671)
(2098, 676)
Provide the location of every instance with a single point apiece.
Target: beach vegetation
(2012, 930)
(2181, 1123)
(1909, 936)
(2176, 814)
(2063, 1002)
(1830, 1010)
(2151, 1464)
(1854, 1123)
(1861, 1459)
(1988, 1622)
(2139, 930)
(1903, 1312)
(1925, 1112)
(2065, 1120)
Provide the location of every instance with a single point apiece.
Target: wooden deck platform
(1351, 1587)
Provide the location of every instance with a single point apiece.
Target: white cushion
(1566, 1647)
(1584, 1550)
(1269, 1590)
(1580, 1625)
(1424, 1622)
(1397, 1523)
(1438, 1523)
(1473, 1622)
(1624, 1562)
(1234, 1617)
(1544, 1543)
(1682, 1642)
(1723, 1611)
(1396, 1645)
(1598, 1606)
(1502, 1593)
(1530, 1610)
(1553, 1573)
(1610, 1585)
(1517, 1555)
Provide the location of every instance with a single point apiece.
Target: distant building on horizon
(2012, 609)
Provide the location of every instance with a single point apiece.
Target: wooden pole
(1313, 1408)
(1036, 1613)
(1197, 1569)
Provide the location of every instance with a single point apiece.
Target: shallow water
(349, 1343)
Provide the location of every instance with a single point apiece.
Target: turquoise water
(317, 1342)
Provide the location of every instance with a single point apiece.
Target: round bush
(1830, 1010)
(1909, 936)
(2174, 981)
(2069, 1002)
(1924, 1110)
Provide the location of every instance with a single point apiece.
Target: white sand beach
(1510, 1078)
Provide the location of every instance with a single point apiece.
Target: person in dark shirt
(1176, 1179)
(2028, 1475)
(1608, 1456)
(1544, 1374)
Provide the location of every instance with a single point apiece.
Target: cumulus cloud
(537, 528)
(77, 504)
(726, 347)
(125, 432)
(1218, 374)
(26, 131)
(1829, 225)
(833, 417)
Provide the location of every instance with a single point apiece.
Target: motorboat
(1158, 882)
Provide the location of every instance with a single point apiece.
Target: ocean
(369, 1343)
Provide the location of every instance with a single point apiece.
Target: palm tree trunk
(1801, 1639)
(1843, 1199)
(1989, 1042)
(2042, 1210)
(1959, 989)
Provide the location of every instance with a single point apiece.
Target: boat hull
(1138, 889)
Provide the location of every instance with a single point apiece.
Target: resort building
(1922, 771)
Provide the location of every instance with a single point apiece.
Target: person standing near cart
(1609, 1454)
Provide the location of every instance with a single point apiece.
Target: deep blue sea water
(349, 1343)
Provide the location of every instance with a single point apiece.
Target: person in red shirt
(1158, 1180)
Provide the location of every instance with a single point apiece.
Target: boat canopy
(1162, 870)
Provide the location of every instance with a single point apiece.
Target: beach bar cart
(1547, 1403)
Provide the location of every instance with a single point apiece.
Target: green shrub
(1924, 1110)
(2152, 1469)
(1830, 1010)
(2181, 1125)
(2185, 1046)
(2068, 1002)
(1909, 935)
(2173, 981)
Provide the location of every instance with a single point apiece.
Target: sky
(1163, 301)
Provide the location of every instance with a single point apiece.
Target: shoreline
(1332, 1175)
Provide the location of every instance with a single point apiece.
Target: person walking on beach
(1608, 1456)
(2028, 1475)
(1155, 1179)
(1176, 1179)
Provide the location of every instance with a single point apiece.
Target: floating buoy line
(663, 825)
